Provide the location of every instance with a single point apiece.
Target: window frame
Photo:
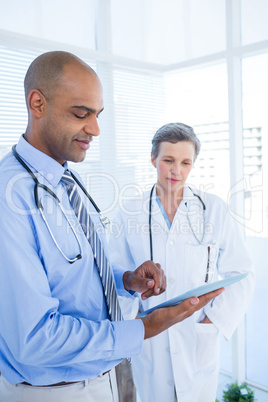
(233, 56)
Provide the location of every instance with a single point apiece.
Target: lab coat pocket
(200, 263)
(206, 345)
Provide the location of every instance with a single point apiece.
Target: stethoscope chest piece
(105, 221)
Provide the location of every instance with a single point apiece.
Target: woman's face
(173, 163)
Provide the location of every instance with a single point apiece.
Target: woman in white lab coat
(195, 239)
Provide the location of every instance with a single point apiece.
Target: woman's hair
(175, 132)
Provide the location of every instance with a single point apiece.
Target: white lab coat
(186, 356)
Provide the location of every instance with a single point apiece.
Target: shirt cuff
(129, 337)
(118, 277)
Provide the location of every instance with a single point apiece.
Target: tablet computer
(199, 291)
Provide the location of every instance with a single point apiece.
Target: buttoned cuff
(129, 337)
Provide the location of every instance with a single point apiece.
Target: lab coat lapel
(180, 217)
(193, 211)
(188, 196)
(157, 216)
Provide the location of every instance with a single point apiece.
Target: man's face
(71, 118)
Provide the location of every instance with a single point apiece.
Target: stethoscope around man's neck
(187, 215)
(105, 221)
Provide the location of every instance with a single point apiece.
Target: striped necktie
(105, 271)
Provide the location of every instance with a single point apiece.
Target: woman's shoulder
(210, 199)
(133, 205)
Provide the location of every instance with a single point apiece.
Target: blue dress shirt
(53, 318)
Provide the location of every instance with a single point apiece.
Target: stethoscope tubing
(39, 205)
(150, 220)
(150, 223)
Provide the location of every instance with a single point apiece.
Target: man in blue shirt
(57, 342)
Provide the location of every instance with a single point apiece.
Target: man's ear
(153, 160)
(37, 103)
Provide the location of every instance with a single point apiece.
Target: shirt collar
(188, 195)
(50, 169)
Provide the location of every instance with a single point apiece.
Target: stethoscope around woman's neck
(187, 215)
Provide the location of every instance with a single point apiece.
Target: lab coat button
(171, 242)
(168, 349)
(171, 281)
(171, 382)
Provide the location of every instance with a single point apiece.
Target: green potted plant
(238, 393)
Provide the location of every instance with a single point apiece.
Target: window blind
(212, 167)
(139, 112)
(120, 156)
(13, 113)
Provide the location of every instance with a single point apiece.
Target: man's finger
(160, 281)
(150, 283)
(141, 284)
(147, 293)
(148, 279)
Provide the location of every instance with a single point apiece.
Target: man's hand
(161, 319)
(148, 279)
(206, 320)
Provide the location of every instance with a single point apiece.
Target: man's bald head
(46, 70)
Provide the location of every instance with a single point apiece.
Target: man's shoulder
(8, 167)
(13, 177)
